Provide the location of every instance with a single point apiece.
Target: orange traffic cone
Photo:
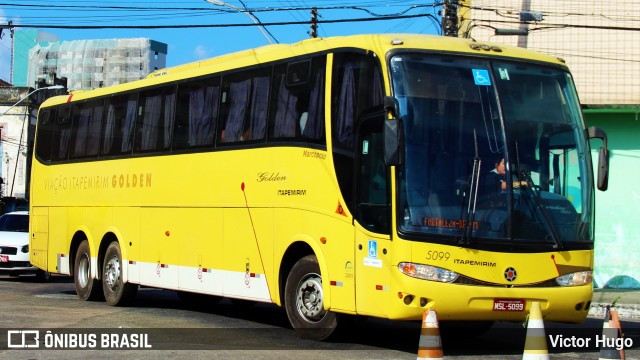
(535, 345)
(430, 346)
(611, 332)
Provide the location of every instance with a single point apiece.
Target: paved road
(205, 330)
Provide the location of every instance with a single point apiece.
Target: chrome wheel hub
(83, 271)
(309, 298)
(112, 273)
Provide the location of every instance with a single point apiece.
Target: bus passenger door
(373, 219)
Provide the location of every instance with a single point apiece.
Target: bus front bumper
(471, 303)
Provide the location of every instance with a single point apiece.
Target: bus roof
(379, 43)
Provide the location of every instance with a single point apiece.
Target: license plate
(4, 258)
(508, 304)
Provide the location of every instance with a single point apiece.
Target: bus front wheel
(304, 301)
(116, 291)
(87, 287)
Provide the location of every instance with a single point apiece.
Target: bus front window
(494, 152)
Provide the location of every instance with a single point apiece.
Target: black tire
(43, 276)
(304, 301)
(116, 291)
(87, 287)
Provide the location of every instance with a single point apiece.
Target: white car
(14, 246)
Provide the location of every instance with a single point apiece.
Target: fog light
(25, 249)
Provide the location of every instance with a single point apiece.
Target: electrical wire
(563, 26)
(189, 11)
(190, 26)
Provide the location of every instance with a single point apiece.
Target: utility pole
(523, 39)
(450, 18)
(314, 23)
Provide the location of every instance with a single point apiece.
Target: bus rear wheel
(304, 301)
(116, 291)
(87, 287)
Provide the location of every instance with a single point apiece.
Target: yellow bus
(358, 175)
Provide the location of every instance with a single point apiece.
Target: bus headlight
(427, 272)
(575, 279)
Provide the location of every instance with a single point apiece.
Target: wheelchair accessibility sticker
(372, 259)
(481, 77)
(373, 249)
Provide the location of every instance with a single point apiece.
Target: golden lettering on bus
(57, 183)
(76, 183)
(314, 154)
(266, 176)
(128, 181)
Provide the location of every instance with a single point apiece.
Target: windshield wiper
(473, 195)
(537, 199)
(525, 174)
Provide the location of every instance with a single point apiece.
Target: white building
(89, 64)
(14, 125)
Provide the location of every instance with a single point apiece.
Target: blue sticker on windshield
(481, 77)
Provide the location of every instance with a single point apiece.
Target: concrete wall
(617, 255)
(598, 40)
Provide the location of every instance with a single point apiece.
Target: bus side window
(259, 109)
(312, 128)
(285, 106)
(245, 101)
(62, 134)
(45, 134)
(235, 100)
(357, 86)
(87, 120)
(298, 101)
(372, 190)
(119, 124)
(196, 113)
(154, 131)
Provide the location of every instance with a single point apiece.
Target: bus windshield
(495, 152)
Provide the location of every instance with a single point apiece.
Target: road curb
(625, 311)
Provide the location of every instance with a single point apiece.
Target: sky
(215, 29)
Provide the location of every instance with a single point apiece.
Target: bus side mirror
(603, 157)
(392, 132)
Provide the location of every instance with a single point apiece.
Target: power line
(561, 26)
(513, 13)
(258, 21)
(190, 26)
(102, 7)
(208, 11)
